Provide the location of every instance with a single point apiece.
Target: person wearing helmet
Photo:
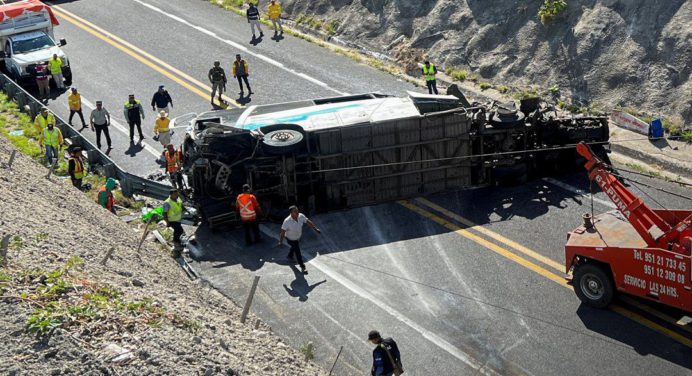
(162, 128)
(218, 80)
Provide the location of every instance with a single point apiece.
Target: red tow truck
(635, 249)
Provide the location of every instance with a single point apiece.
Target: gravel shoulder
(63, 312)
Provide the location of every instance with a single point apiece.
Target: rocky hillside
(635, 53)
(63, 312)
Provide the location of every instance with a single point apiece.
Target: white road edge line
(578, 191)
(430, 336)
(242, 48)
(122, 129)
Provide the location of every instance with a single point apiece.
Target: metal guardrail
(129, 184)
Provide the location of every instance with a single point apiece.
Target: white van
(26, 36)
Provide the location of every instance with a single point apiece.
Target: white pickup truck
(26, 37)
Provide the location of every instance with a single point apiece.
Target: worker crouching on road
(429, 72)
(292, 230)
(173, 214)
(249, 210)
(174, 163)
(162, 129)
(106, 197)
(75, 167)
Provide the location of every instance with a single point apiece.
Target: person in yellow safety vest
(172, 214)
(42, 120)
(174, 162)
(429, 72)
(275, 16)
(249, 210)
(161, 128)
(241, 71)
(55, 68)
(75, 167)
(105, 196)
(74, 100)
(51, 139)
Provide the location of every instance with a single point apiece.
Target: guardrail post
(248, 302)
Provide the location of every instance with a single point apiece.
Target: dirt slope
(631, 52)
(138, 315)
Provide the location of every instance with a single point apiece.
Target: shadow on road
(300, 287)
(134, 149)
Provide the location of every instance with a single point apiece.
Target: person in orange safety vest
(249, 210)
(172, 166)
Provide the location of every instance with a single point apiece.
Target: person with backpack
(386, 357)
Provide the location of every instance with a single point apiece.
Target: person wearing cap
(249, 210)
(74, 100)
(241, 71)
(134, 113)
(274, 12)
(42, 80)
(100, 120)
(161, 100)
(173, 164)
(162, 128)
(292, 230)
(75, 167)
(253, 18)
(105, 196)
(42, 120)
(173, 214)
(55, 69)
(52, 140)
(429, 72)
(218, 80)
(386, 357)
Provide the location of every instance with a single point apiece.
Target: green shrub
(687, 136)
(331, 27)
(502, 89)
(554, 90)
(484, 85)
(550, 9)
(527, 93)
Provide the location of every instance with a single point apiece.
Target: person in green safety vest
(55, 69)
(429, 72)
(42, 120)
(51, 139)
(172, 214)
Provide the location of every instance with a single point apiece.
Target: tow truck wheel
(593, 286)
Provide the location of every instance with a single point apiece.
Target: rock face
(632, 52)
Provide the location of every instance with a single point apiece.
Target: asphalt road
(478, 294)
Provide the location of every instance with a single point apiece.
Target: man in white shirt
(292, 230)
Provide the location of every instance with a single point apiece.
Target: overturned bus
(342, 152)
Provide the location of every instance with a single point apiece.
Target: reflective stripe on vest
(78, 168)
(110, 202)
(245, 207)
(429, 73)
(175, 213)
(51, 138)
(171, 162)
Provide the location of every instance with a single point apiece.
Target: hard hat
(246, 187)
(163, 113)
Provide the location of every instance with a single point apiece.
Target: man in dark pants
(172, 214)
(241, 71)
(100, 120)
(386, 360)
(292, 230)
(161, 100)
(249, 210)
(429, 72)
(134, 113)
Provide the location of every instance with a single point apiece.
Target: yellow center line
(508, 242)
(537, 268)
(142, 56)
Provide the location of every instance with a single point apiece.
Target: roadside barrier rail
(130, 184)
